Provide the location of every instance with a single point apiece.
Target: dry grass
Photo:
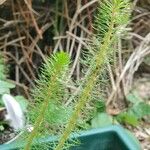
(25, 43)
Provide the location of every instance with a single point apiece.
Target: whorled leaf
(47, 106)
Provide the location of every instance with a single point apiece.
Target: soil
(6, 135)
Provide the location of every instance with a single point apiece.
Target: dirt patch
(7, 135)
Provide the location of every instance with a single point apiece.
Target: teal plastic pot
(108, 138)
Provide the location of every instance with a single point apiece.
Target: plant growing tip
(48, 95)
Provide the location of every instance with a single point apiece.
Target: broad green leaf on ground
(140, 110)
(62, 115)
(101, 120)
(23, 102)
(133, 97)
(127, 117)
(5, 87)
(100, 105)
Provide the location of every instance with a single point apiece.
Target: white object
(15, 115)
(2, 1)
(29, 128)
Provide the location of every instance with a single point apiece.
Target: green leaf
(5, 87)
(134, 98)
(63, 114)
(100, 105)
(1, 103)
(2, 128)
(140, 110)
(147, 60)
(126, 117)
(48, 106)
(23, 102)
(104, 15)
(101, 120)
(2, 72)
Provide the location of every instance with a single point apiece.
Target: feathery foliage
(47, 108)
(110, 20)
(118, 8)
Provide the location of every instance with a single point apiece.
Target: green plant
(101, 120)
(48, 108)
(5, 87)
(2, 69)
(132, 115)
(47, 105)
(136, 111)
(111, 16)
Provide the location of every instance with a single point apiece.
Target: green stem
(39, 120)
(36, 126)
(50, 91)
(100, 59)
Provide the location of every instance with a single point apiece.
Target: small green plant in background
(136, 111)
(131, 116)
(5, 88)
(5, 85)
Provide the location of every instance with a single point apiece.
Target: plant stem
(36, 126)
(58, 64)
(91, 81)
(41, 114)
